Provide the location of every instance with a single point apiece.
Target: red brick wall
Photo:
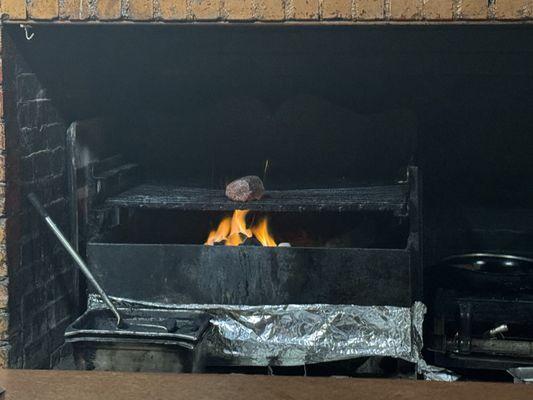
(4, 316)
(268, 10)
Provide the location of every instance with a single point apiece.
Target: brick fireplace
(51, 80)
(348, 11)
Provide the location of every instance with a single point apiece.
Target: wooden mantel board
(75, 385)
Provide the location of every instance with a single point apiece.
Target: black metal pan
(488, 272)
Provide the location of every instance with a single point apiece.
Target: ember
(233, 231)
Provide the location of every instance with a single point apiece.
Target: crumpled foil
(433, 373)
(312, 333)
(522, 375)
(299, 334)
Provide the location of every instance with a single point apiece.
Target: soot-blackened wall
(347, 98)
(43, 288)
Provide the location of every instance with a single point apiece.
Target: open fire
(233, 231)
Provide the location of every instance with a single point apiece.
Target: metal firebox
(173, 272)
(249, 275)
(135, 262)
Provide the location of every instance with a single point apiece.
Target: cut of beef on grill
(246, 188)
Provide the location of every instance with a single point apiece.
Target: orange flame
(232, 231)
(234, 240)
(262, 234)
(238, 223)
(221, 233)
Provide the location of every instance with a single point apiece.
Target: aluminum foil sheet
(289, 335)
(433, 373)
(522, 375)
(307, 334)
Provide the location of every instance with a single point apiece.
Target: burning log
(251, 242)
(245, 189)
(233, 231)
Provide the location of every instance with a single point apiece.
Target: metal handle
(75, 256)
(38, 206)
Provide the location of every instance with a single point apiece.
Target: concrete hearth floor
(63, 385)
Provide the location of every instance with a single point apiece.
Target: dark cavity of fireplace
(339, 147)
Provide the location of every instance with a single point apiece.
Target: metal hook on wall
(27, 31)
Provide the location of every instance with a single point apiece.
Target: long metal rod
(75, 256)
